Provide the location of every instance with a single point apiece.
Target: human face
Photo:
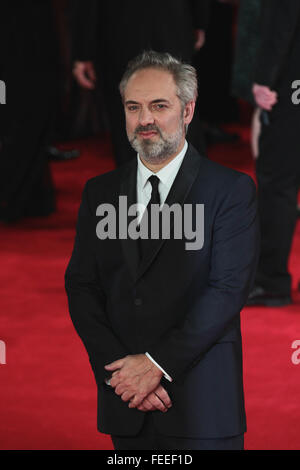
(155, 118)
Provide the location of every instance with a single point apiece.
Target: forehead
(150, 84)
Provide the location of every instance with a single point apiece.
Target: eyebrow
(159, 100)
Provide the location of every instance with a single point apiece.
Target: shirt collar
(164, 174)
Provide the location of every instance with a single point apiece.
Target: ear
(189, 112)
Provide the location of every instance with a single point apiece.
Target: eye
(159, 106)
(132, 108)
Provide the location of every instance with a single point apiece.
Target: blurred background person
(246, 47)
(106, 35)
(216, 105)
(278, 162)
(28, 60)
(31, 64)
(63, 121)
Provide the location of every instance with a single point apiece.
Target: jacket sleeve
(86, 298)
(279, 20)
(216, 308)
(84, 24)
(201, 13)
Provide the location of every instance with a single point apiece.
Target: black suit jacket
(181, 306)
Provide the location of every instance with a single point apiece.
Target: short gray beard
(158, 152)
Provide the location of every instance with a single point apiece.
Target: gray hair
(184, 75)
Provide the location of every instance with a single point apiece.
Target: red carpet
(47, 390)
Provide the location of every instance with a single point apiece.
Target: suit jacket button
(138, 302)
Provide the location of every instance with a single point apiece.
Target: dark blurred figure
(77, 111)
(28, 65)
(246, 47)
(108, 34)
(278, 163)
(213, 62)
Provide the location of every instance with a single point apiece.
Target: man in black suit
(106, 35)
(160, 316)
(278, 163)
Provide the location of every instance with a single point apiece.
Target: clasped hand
(265, 97)
(136, 379)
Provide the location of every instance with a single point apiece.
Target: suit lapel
(178, 193)
(128, 189)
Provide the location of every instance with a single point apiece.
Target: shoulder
(232, 191)
(105, 188)
(225, 176)
(219, 178)
(103, 180)
(111, 180)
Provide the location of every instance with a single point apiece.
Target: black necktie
(155, 199)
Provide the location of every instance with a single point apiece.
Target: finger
(273, 99)
(114, 365)
(271, 92)
(115, 381)
(147, 405)
(273, 96)
(156, 402)
(270, 99)
(143, 407)
(115, 378)
(126, 396)
(268, 107)
(136, 401)
(162, 393)
(270, 102)
(120, 389)
(263, 98)
(265, 105)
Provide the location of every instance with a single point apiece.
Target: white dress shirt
(166, 177)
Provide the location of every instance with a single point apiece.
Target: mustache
(148, 128)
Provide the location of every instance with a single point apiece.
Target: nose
(146, 117)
